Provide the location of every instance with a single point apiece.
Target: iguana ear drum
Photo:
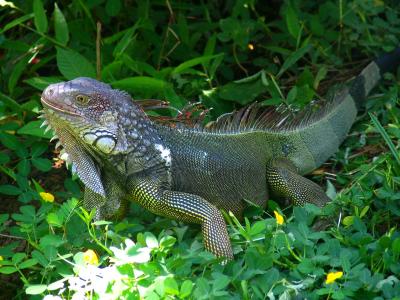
(103, 141)
(105, 144)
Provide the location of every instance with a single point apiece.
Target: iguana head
(96, 123)
(89, 110)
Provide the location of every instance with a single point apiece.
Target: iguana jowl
(187, 173)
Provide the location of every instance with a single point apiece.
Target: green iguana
(189, 174)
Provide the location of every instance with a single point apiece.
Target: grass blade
(386, 137)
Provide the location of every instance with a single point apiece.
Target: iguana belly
(225, 172)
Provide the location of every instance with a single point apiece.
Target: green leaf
(138, 254)
(16, 22)
(186, 288)
(348, 220)
(113, 7)
(36, 289)
(221, 281)
(38, 149)
(16, 73)
(210, 46)
(40, 16)
(183, 30)
(167, 241)
(24, 167)
(306, 266)
(171, 286)
(245, 90)
(22, 152)
(60, 26)
(55, 286)
(140, 84)
(28, 263)
(194, 62)
(396, 246)
(7, 270)
(28, 210)
(33, 128)
(151, 240)
(305, 94)
(125, 40)
(202, 287)
(40, 258)
(292, 21)
(51, 240)
(54, 220)
(25, 197)
(18, 257)
(42, 82)
(364, 211)
(291, 96)
(10, 102)
(321, 74)
(386, 137)
(10, 141)
(42, 164)
(73, 64)
(8, 189)
(257, 228)
(4, 158)
(293, 58)
(101, 223)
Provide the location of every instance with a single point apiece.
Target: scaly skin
(190, 174)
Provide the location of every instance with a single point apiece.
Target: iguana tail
(309, 138)
(327, 129)
(369, 77)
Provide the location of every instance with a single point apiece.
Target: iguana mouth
(57, 108)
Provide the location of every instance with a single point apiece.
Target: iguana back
(227, 163)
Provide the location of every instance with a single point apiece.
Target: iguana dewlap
(189, 174)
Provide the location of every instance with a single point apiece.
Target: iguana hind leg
(284, 181)
(185, 207)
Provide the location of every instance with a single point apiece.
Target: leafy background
(225, 54)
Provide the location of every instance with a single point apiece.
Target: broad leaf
(36, 289)
(42, 82)
(194, 62)
(16, 22)
(293, 58)
(140, 84)
(73, 64)
(33, 128)
(40, 16)
(60, 26)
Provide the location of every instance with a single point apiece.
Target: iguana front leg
(114, 206)
(184, 207)
(284, 181)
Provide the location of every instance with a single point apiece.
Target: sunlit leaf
(60, 26)
(73, 64)
(40, 16)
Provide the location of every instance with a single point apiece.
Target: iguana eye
(82, 99)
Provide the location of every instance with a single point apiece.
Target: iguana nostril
(50, 92)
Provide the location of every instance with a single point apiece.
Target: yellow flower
(279, 218)
(47, 197)
(250, 46)
(332, 276)
(90, 257)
